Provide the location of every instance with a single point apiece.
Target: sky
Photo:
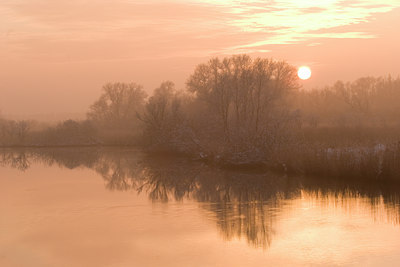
(56, 55)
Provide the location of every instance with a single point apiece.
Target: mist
(49, 53)
(199, 133)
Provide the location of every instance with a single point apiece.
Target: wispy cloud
(298, 21)
(118, 29)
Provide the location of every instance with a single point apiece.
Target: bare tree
(118, 105)
(211, 83)
(162, 114)
(246, 94)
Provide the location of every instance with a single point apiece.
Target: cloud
(96, 29)
(314, 9)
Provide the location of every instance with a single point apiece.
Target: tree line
(237, 110)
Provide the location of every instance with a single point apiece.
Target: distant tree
(14, 132)
(365, 101)
(162, 114)
(118, 105)
(22, 129)
(69, 132)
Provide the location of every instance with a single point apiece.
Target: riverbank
(379, 162)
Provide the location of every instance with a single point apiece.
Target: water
(119, 207)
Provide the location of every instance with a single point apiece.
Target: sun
(304, 73)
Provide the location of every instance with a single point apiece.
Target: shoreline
(344, 164)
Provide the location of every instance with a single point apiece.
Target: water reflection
(244, 205)
(15, 159)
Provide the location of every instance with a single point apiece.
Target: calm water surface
(119, 207)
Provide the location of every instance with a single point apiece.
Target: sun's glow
(304, 73)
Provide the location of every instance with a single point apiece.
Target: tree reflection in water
(15, 159)
(245, 205)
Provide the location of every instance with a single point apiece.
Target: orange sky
(55, 55)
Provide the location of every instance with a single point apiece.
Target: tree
(210, 82)
(14, 132)
(162, 116)
(246, 94)
(118, 105)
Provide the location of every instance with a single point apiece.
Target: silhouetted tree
(249, 97)
(367, 101)
(164, 118)
(118, 105)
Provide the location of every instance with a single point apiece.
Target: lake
(121, 207)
